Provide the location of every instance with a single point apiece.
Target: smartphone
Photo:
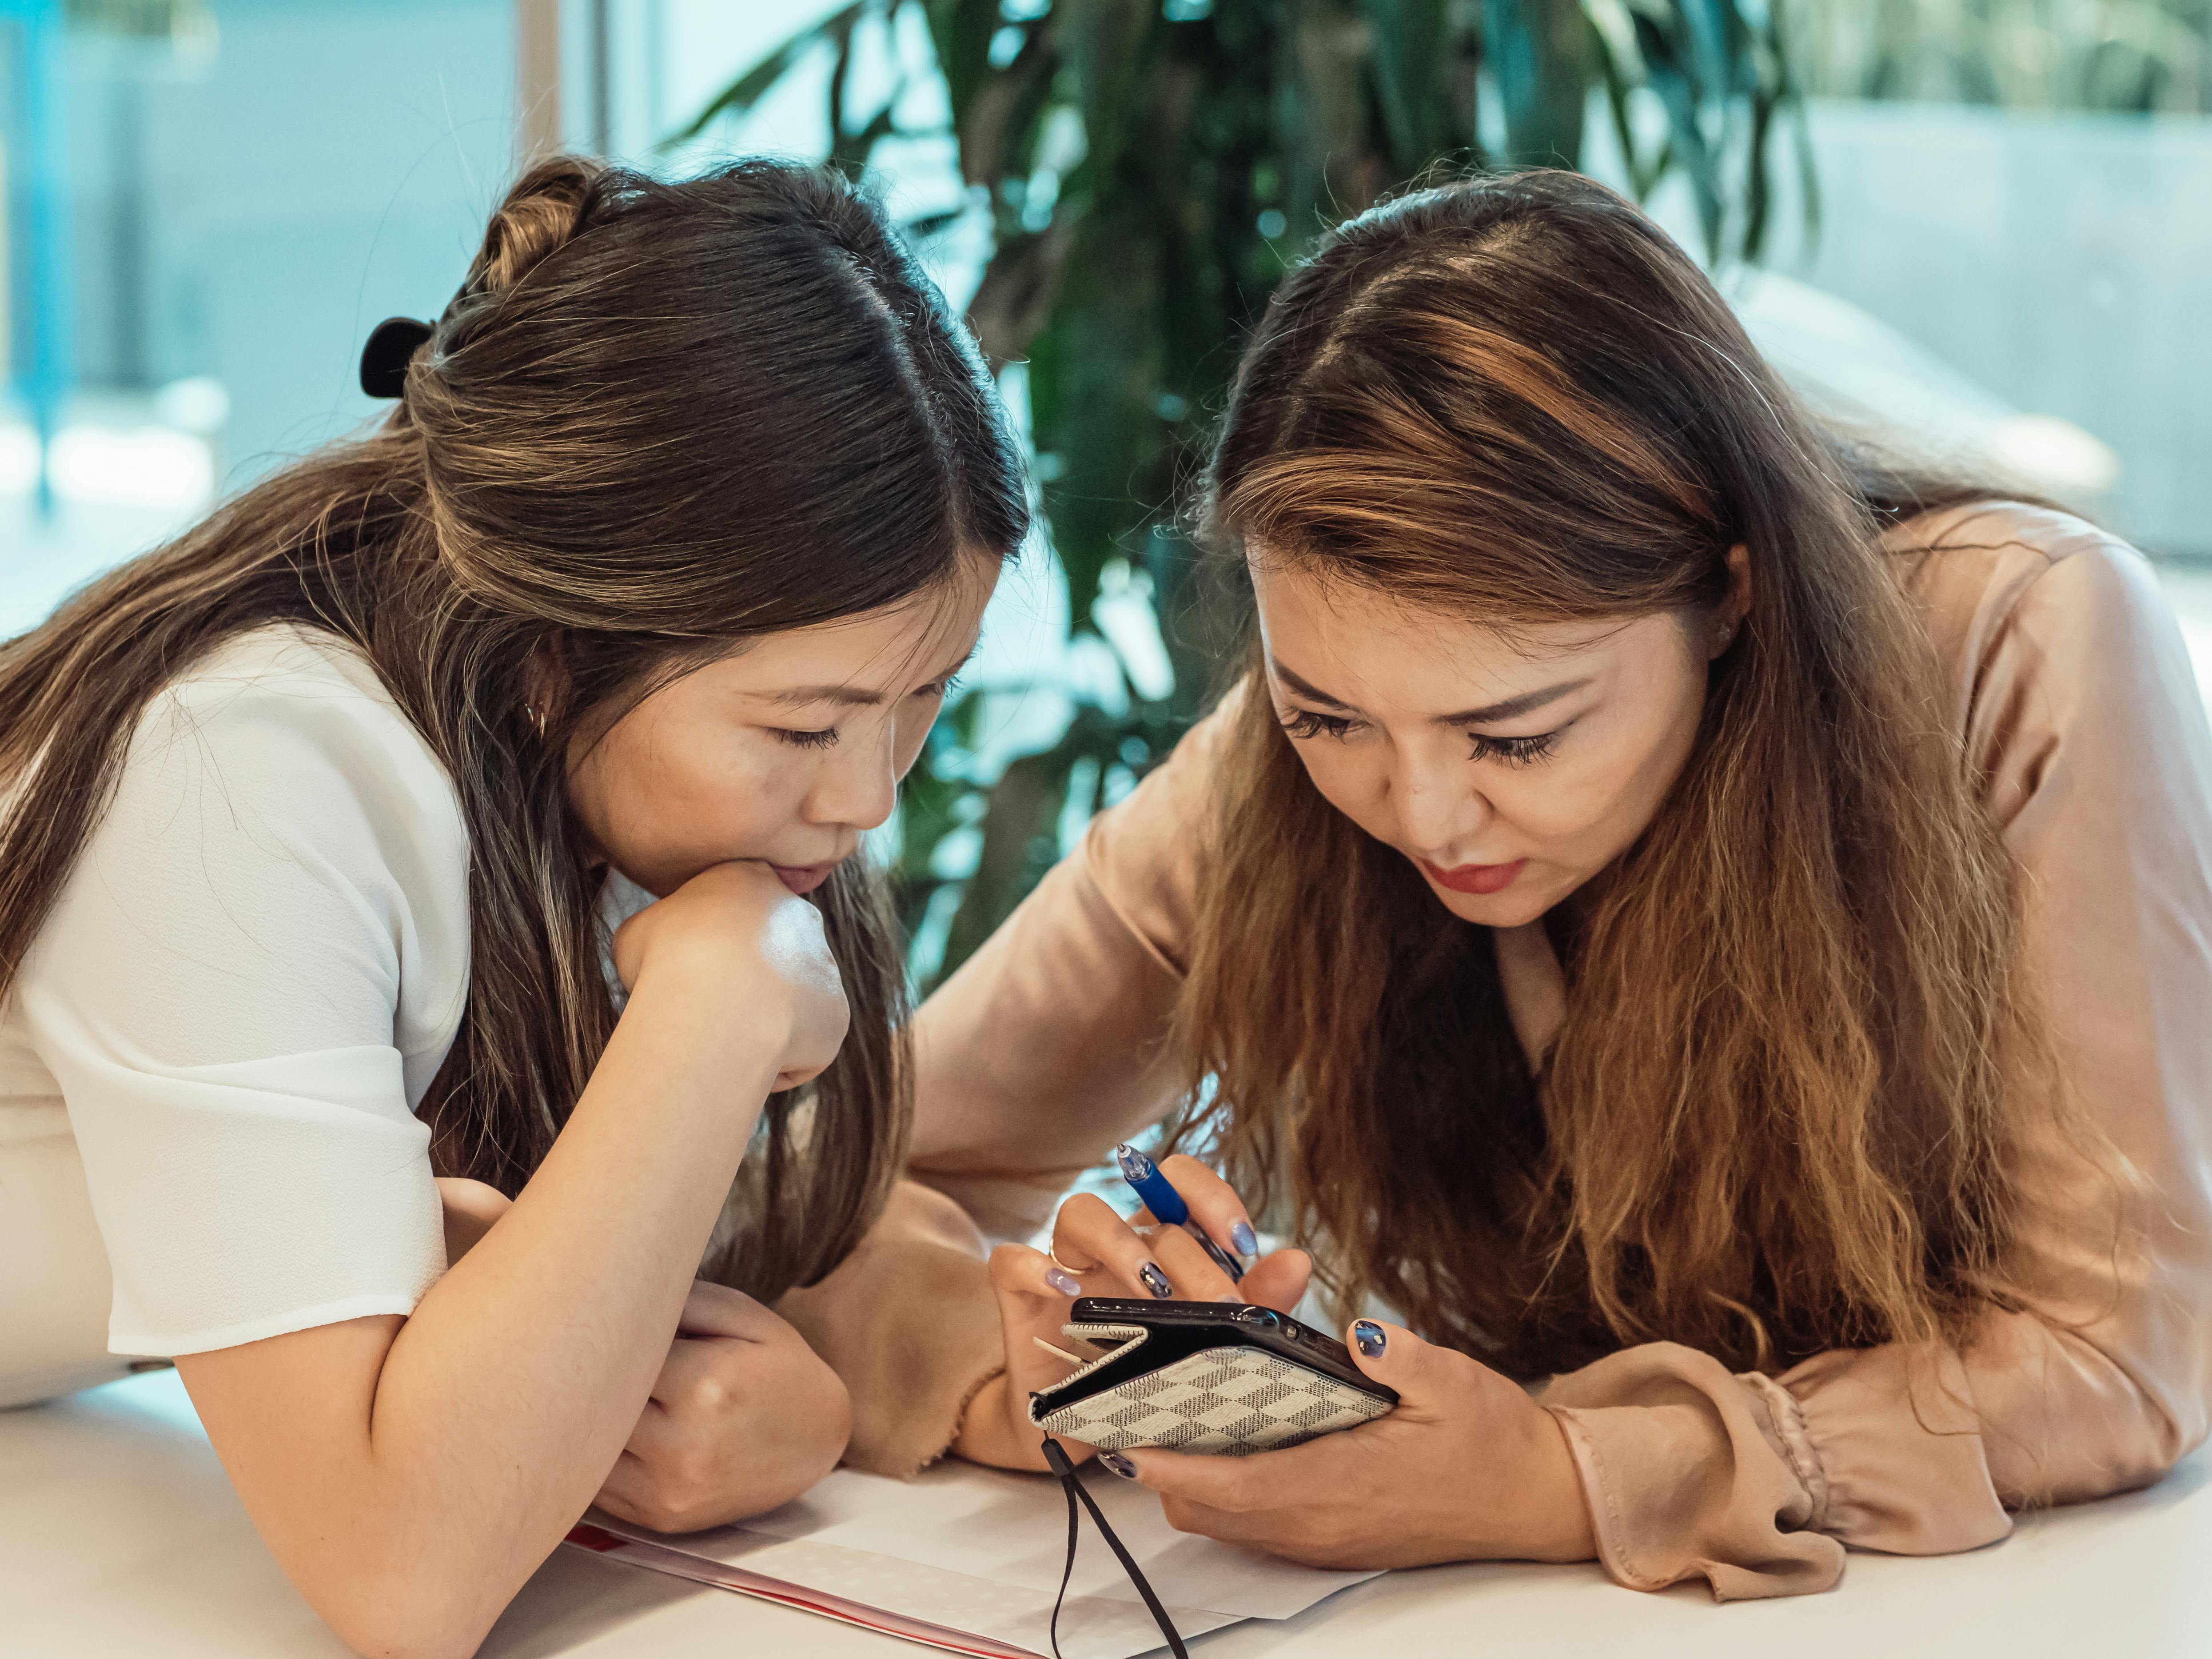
(1187, 1327)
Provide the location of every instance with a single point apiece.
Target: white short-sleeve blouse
(210, 1059)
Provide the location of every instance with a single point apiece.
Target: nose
(1440, 812)
(856, 788)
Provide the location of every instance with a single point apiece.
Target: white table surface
(119, 1537)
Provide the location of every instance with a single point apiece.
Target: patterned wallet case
(1225, 1400)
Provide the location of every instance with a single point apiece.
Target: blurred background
(1981, 226)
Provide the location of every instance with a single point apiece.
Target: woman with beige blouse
(1714, 938)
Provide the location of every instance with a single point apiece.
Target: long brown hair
(658, 419)
(1777, 1117)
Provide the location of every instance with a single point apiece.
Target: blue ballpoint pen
(1167, 1207)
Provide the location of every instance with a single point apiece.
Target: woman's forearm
(411, 1502)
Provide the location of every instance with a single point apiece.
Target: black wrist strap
(1055, 1455)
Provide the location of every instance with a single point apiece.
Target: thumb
(1398, 1359)
(712, 1309)
(1278, 1279)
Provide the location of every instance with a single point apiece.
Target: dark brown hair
(657, 420)
(1778, 1116)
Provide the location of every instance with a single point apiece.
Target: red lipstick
(1476, 878)
(804, 878)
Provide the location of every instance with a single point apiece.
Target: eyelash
(1514, 751)
(1303, 724)
(827, 737)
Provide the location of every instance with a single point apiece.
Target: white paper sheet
(1013, 1527)
(979, 1550)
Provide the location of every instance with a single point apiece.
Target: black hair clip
(383, 359)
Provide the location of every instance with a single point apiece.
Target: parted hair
(1796, 1052)
(658, 419)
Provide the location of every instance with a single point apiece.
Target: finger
(685, 1377)
(1278, 1280)
(1018, 1268)
(1034, 1307)
(1194, 1274)
(1290, 1534)
(1423, 1374)
(712, 1309)
(1229, 1526)
(626, 1488)
(1088, 1237)
(1241, 1485)
(1213, 1205)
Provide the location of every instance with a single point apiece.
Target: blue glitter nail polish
(1114, 1463)
(1246, 1240)
(1063, 1281)
(1155, 1280)
(1368, 1335)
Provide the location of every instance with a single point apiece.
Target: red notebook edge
(678, 1564)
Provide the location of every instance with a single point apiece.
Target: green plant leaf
(741, 95)
(961, 31)
(1105, 44)
(1542, 53)
(1096, 370)
(1409, 40)
(1671, 54)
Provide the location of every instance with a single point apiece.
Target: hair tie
(383, 359)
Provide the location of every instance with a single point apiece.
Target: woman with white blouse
(345, 1057)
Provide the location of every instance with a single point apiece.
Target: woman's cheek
(910, 732)
(1352, 784)
(1587, 807)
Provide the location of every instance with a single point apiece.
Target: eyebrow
(1509, 708)
(849, 696)
(845, 697)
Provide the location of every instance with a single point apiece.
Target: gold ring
(1057, 1262)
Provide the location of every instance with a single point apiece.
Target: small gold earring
(536, 716)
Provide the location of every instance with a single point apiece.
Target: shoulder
(281, 867)
(2060, 648)
(287, 680)
(279, 764)
(1989, 570)
(292, 723)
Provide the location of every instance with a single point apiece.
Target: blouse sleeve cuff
(1691, 1472)
(910, 1323)
(1902, 1465)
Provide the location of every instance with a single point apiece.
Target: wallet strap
(1057, 1456)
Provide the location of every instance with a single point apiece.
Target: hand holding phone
(1096, 1252)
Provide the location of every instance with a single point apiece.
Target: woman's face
(1509, 771)
(784, 752)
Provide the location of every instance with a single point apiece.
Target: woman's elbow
(2126, 1452)
(398, 1634)
(407, 1613)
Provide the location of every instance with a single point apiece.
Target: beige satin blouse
(2082, 716)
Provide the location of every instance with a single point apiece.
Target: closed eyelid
(1482, 735)
(1285, 680)
(1557, 715)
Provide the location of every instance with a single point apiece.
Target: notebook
(968, 1560)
